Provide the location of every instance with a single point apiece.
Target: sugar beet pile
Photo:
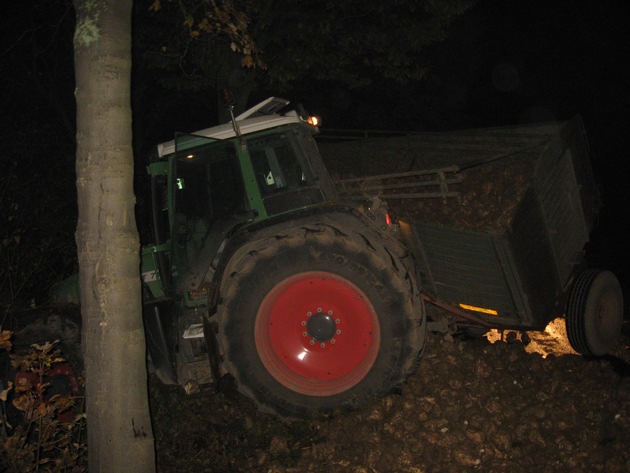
(484, 194)
(471, 406)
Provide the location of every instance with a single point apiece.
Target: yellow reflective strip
(479, 309)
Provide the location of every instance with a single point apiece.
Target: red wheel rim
(317, 333)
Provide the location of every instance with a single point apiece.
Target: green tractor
(258, 271)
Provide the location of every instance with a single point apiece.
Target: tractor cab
(211, 183)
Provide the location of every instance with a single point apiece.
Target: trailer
(498, 220)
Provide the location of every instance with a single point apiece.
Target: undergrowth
(42, 420)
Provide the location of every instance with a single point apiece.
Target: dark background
(502, 63)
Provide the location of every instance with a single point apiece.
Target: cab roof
(260, 117)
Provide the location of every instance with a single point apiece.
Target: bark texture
(120, 437)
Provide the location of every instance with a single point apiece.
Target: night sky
(503, 63)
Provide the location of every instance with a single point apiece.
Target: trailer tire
(594, 313)
(318, 318)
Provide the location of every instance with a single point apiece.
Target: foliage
(48, 433)
(350, 41)
(194, 42)
(221, 19)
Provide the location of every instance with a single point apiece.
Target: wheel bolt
(338, 332)
(323, 345)
(303, 323)
(337, 321)
(319, 309)
(332, 341)
(312, 342)
(330, 312)
(304, 334)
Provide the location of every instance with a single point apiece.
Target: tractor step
(194, 331)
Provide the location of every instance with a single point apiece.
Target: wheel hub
(321, 326)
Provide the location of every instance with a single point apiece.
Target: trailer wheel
(594, 313)
(318, 319)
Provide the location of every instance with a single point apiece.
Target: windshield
(278, 164)
(283, 172)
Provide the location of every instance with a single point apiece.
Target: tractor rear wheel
(318, 318)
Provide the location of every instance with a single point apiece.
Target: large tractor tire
(594, 313)
(320, 317)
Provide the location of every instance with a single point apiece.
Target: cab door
(208, 201)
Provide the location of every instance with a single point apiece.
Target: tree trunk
(120, 437)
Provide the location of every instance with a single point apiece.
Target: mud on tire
(320, 316)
